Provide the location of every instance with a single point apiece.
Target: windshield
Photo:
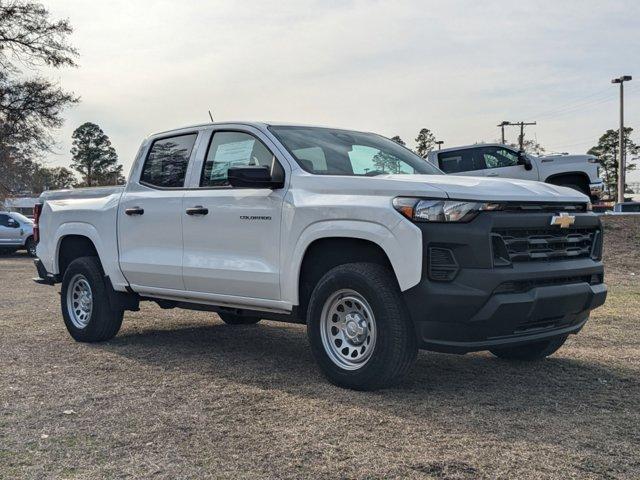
(327, 151)
(21, 218)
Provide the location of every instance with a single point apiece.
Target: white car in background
(579, 172)
(16, 233)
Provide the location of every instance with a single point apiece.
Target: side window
(4, 220)
(497, 157)
(312, 159)
(234, 149)
(167, 161)
(457, 161)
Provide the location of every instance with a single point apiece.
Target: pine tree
(425, 141)
(607, 153)
(94, 157)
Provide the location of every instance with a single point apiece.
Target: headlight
(427, 210)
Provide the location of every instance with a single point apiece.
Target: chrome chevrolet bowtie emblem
(563, 220)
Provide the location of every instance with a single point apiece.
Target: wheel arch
(337, 242)
(570, 177)
(74, 240)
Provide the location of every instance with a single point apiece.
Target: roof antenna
(210, 116)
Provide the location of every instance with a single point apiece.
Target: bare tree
(29, 107)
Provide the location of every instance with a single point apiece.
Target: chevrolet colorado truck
(580, 172)
(371, 247)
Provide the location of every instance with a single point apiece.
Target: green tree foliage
(398, 140)
(530, 146)
(29, 106)
(607, 152)
(425, 142)
(94, 158)
(53, 179)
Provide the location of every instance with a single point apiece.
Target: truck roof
(475, 145)
(259, 125)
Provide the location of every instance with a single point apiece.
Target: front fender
(402, 245)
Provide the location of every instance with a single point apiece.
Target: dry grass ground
(178, 394)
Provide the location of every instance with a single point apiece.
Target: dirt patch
(622, 249)
(179, 394)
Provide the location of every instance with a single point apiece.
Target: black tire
(30, 245)
(394, 349)
(104, 323)
(233, 319)
(531, 351)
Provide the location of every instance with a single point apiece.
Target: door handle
(134, 211)
(197, 210)
(492, 175)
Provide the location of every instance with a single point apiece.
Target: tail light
(37, 209)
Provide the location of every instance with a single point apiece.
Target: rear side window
(457, 161)
(167, 161)
(233, 149)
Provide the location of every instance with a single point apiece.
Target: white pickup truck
(579, 172)
(302, 224)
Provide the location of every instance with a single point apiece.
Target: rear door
(460, 162)
(503, 162)
(232, 235)
(150, 215)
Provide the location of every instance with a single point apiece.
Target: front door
(150, 217)
(504, 163)
(10, 231)
(232, 235)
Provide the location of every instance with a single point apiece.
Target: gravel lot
(180, 394)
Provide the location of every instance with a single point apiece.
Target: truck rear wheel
(85, 304)
(233, 319)
(531, 351)
(31, 245)
(359, 328)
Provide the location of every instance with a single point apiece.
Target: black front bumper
(486, 306)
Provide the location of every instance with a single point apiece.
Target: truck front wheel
(359, 328)
(85, 304)
(531, 351)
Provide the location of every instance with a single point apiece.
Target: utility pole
(516, 124)
(622, 162)
(439, 143)
(502, 125)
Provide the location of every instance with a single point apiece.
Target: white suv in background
(579, 172)
(16, 232)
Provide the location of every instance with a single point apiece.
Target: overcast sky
(456, 67)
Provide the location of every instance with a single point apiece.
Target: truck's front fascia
(506, 278)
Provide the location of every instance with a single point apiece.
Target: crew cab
(371, 247)
(16, 233)
(579, 172)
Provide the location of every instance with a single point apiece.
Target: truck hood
(489, 189)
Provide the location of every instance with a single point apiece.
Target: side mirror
(524, 160)
(252, 177)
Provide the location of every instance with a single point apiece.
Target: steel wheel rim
(79, 301)
(348, 329)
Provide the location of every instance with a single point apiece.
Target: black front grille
(544, 244)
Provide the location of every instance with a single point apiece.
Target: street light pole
(621, 149)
